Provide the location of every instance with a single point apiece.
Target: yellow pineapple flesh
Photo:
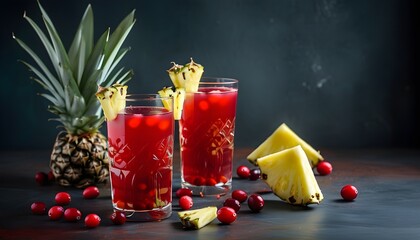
(178, 100)
(290, 176)
(282, 138)
(186, 79)
(198, 218)
(187, 76)
(112, 99)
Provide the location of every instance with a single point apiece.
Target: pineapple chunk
(112, 99)
(193, 76)
(198, 218)
(282, 138)
(187, 76)
(121, 94)
(166, 92)
(178, 100)
(290, 176)
(176, 74)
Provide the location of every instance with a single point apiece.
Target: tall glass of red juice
(206, 131)
(140, 150)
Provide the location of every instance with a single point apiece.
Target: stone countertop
(388, 205)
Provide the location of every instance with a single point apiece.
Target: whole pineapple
(79, 157)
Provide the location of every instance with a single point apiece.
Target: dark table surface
(388, 205)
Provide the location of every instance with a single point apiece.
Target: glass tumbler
(141, 151)
(206, 132)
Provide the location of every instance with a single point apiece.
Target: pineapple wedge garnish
(166, 92)
(290, 176)
(193, 76)
(176, 73)
(282, 138)
(178, 100)
(187, 76)
(186, 80)
(198, 218)
(112, 99)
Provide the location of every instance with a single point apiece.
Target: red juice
(140, 150)
(206, 136)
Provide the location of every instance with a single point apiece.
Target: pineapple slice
(176, 74)
(198, 218)
(185, 79)
(166, 92)
(112, 99)
(282, 138)
(193, 76)
(290, 176)
(178, 98)
(187, 76)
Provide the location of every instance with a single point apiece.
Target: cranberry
(349, 192)
(254, 174)
(243, 171)
(62, 198)
(324, 168)
(232, 203)
(200, 181)
(226, 215)
(240, 195)
(211, 182)
(41, 178)
(72, 214)
(38, 208)
(184, 192)
(223, 179)
(91, 192)
(92, 220)
(255, 203)
(185, 202)
(56, 212)
(118, 218)
(51, 176)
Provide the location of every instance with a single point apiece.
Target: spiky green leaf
(82, 44)
(57, 86)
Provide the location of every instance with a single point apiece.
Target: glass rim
(217, 81)
(132, 97)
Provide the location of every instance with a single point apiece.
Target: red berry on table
(324, 168)
(184, 192)
(254, 174)
(226, 215)
(41, 178)
(349, 192)
(38, 208)
(92, 220)
(232, 203)
(243, 171)
(56, 212)
(118, 218)
(51, 176)
(240, 195)
(255, 203)
(62, 198)
(90, 192)
(186, 202)
(72, 214)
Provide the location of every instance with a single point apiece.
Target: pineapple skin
(290, 176)
(80, 160)
(282, 138)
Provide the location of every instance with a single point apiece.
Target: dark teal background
(342, 74)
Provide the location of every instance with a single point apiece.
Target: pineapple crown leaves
(71, 87)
